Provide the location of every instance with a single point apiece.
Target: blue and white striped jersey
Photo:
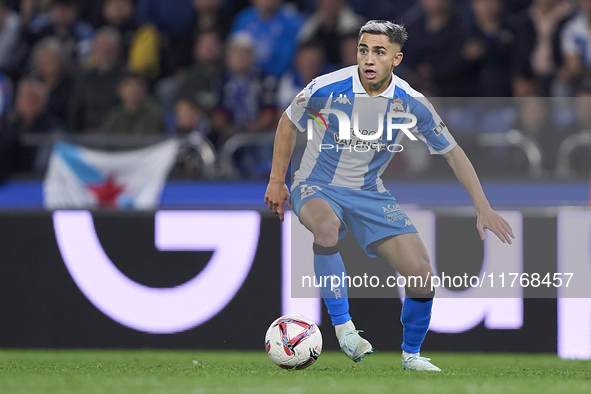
(359, 168)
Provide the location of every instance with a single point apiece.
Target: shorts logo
(307, 191)
(393, 213)
(391, 208)
(439, 128)
(407, 222)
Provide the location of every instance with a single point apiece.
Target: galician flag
(84, 178)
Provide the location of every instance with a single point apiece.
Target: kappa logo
(342, 99)
(439, 128)
(307, 191)
(407, 222)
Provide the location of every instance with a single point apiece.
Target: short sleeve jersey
(357, 163)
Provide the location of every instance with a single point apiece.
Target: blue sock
(328, 262)
(415, 317)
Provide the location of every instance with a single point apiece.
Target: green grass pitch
(154, 371)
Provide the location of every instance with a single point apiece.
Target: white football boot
(414, 362)
(354, 346)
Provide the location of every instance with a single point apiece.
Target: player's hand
(276, 195)
(489, 219)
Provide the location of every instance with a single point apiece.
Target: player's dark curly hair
(395, 33)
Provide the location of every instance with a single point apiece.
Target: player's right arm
(277, 191)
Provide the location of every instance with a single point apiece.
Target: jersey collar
(359, 89)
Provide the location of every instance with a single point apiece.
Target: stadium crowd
(220, 67)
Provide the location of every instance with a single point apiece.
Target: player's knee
(422, 275)
(326, 232)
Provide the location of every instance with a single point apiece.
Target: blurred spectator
(6, 145)
(515, 7)
(208, 15)
(119, 15)
(62, 22)
(191, 122)
(171, 18)
(30, 111)
(538, 54)
(30, 9)
(332, 21)
(92, 12)
(49, 68)
(274, 28)
(348, 50)
(583, 107)
(95, 89)
(11, 51)
(211, 14)
(534, 120)
(247, 100)
(137, 113)
(490, 49)
(28, 116)
(202, 81)
(190, 117)
(576, 46)
(309, 63)
(5, 95)
(382, 9)
(433, 55)
(580, 159)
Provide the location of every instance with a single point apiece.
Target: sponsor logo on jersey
(439, 128)
(360, 145)
(407, 222)
(345, 123)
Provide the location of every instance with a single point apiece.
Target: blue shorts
(371, 215)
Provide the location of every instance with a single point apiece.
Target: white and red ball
(293, 342)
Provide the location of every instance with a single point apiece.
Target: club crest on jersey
(396, 106)
(342, 99)
(307, 191)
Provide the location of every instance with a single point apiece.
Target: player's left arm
(487, 217)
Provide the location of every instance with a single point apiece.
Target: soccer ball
(293, 342)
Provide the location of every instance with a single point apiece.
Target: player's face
(377, 57)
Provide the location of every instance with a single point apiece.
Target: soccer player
(340, 188)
